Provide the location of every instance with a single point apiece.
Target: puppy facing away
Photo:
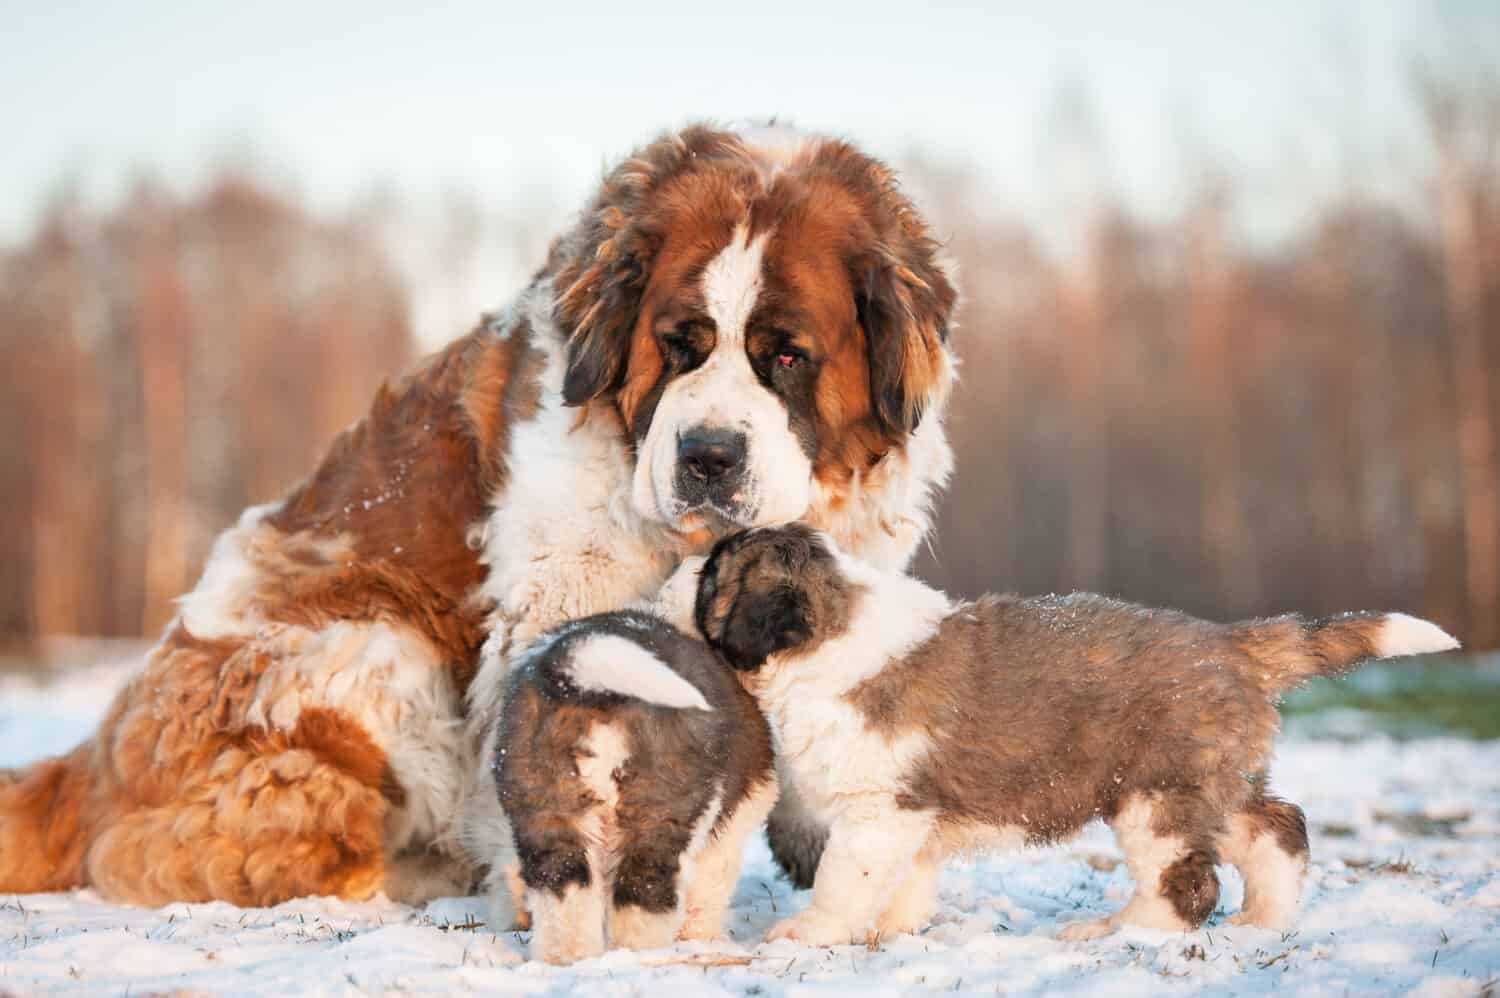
(632, 766)
(919, 728)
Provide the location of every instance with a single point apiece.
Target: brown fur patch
(399, 491)
(1293, 650)
(42, 840)
(1192, 887)
(1270, 815)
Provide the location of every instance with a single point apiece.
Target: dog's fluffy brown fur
(632, 766)
(918, 729)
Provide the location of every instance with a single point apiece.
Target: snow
(1403, 897)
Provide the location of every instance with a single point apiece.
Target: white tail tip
(1403, 634)
(612, 664)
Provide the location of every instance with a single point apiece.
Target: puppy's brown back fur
(1047, 713)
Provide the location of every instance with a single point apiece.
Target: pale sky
(505, 99)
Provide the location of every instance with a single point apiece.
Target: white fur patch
(830, 752)
(675, 601)
(603, 753)
(732, 283)
(1273, 877)
(567, 928)
(610, 663)
(218, 606)
(1401, 634)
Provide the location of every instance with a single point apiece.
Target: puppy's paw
(812, 928)
(901, 924)
(1083, 931)
(701, 929)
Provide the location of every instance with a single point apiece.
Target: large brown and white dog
(742, 328)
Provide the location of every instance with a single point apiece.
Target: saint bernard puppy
(918, 728)
(741, 328)
(632, 766)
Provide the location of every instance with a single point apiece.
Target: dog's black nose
(711, 454)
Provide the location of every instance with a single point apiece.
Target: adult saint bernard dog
(742, 328)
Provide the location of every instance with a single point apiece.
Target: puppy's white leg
(915, 902)
(506, 893)
(569, 926)
(716, 869)
(869, 852)
(1175, 884)
(636, 928)
(1268, 845)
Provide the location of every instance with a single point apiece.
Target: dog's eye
(789, 358)
(684, 343)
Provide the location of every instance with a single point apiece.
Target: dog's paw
(1083, 931)
(702, 930)
(812, 928)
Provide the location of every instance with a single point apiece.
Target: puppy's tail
(1292, 650)
(43, 818)
(608, 663)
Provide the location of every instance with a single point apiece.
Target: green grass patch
(1407, 698)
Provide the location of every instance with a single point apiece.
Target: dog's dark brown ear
(761, 624)
(603, 265)
(904, 302)
(904, 294)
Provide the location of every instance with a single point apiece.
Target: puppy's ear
(603, 265)
(761, 624)
(709, 623)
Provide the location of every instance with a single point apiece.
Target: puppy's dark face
(769, 590)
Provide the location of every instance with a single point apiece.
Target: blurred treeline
(1171, 414)
(165, 366)
(1177, 418)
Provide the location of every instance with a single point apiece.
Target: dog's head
(766, 312)
(772, 590)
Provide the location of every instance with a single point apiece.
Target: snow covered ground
(1404, 897)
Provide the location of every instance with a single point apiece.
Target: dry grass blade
(702, 960)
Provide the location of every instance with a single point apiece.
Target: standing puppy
(632, 765)
(919, 729)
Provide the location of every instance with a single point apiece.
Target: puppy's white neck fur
(893, 613)
(833, 756)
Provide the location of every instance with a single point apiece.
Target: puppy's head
(770, 590)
